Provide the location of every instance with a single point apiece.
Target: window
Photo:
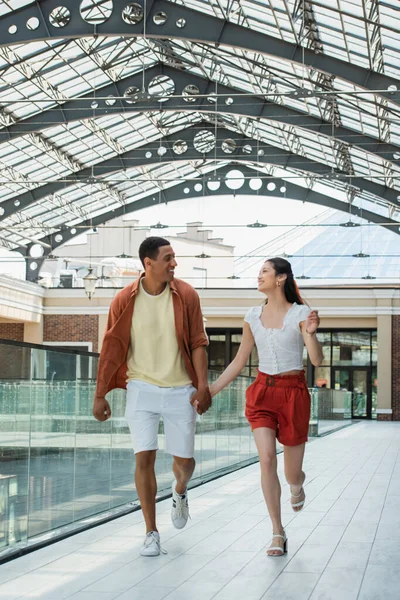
(351, 348)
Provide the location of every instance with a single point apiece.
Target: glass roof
(42, 76)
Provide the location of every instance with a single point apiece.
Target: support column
(384, 407)
(396, 367)
(33, 332)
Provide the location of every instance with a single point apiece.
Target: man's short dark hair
(150, 247)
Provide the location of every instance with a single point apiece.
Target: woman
(278, 402)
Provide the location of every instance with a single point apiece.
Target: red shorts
(282, 403)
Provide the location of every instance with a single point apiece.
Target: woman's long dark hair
(283, 267)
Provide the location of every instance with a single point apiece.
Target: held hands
(201, 400)
(101, 409)
(312, 322)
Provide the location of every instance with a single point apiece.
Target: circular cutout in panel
(255, 184)
(392, 88)
(271, 186)
(17, 202)
(180, 147)
(261, 152)
(73, 231)
(213, 185)
(32, 23)
(94, 104)
(282, 189)
(160, 18)
(58, 237)
(161, 86)
(2, 211)
(396, 156)
(181, 23)
(234, 179)
(36, 251)
(204, 141)
(190, 92)
(228, 146)
(111, 101)
(60, 16)
(133, 13)
(186, 190)
(148, 155)
(130, 94)
(162, 151)
(247, 149)
(96, 12)
(212, 98)
(229, 101)
(12, 29)
(198, 187)
(33, 266)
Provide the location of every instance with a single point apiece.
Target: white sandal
(301, 503)
(298, 504)
(279, 549)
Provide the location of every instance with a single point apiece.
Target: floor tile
(380, 582)
(292, 586)
(338, 584)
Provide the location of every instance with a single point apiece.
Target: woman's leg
(265, 439)
(295, 476)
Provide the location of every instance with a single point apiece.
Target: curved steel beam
(197, 26)
(242, 105)
(292, 191)
(140, 157)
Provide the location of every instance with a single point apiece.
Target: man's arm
(101, 408)
(197, 342)
(202, 399)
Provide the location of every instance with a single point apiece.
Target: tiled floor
(344, 545)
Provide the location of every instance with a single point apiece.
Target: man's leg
(146, 486)
(183, 470)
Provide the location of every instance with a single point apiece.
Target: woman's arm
(238, 363)
(309, 330)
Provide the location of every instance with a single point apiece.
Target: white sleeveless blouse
(279, 350)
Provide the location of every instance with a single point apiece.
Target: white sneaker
(151, 545)
(180, 508)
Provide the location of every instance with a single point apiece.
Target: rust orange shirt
(189, 326)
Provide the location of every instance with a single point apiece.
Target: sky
(225, 215)
(218, 212)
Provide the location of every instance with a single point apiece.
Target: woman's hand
(312, 322)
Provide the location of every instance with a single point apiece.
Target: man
(155, 345)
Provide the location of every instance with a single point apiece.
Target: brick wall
(71, 328)
(14, 360)
(12, 331)
(396, 367)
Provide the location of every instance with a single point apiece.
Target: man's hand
(201, 400)
(101, 409)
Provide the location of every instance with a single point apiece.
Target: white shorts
(146, 403)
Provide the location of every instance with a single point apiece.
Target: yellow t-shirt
(154, 355)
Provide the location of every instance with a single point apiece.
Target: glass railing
(62, 471)
(330, 410)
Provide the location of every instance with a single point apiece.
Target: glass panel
(360, 388)
(374, 344)
(374, 386)
(324, 338)
(216, 351)
(351, 348)
(322, 377)
(342, 379)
